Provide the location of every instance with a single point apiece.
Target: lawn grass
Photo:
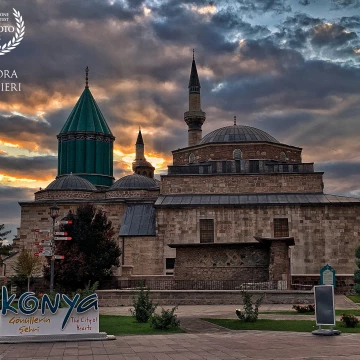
(355, 312)
(354, 298)
(127, 325)
(277, 325)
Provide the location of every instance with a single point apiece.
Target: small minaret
(195, 117)
(139, 147)
(140, 165)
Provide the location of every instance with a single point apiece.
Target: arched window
(282, 156)
(191, 158)
(145, 173)
(237, 154)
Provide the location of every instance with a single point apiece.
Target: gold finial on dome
(87, 77)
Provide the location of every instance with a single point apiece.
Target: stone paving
(205, 341)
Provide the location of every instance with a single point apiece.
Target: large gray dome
(135, 182)
(237, 133)
(71, 182)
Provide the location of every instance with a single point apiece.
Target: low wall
(203, 297)
(344, 283)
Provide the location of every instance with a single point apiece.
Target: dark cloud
(331, 35)
(350, 22)
(27, 167)
(340, 169)
(9, 207)
(341, 4)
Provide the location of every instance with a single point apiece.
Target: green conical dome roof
(86, 116)
(86, 143)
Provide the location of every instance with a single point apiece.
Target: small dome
(71, 182)
(237, 133)
(135, 182)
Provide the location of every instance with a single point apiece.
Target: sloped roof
(138, 220)
(86, 116)
(253, 199)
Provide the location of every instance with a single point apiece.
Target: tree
(5, 250)
(357, 272)
(28, 265)
(3, 233)
(91, 253)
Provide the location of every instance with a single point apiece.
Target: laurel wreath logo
(19, 34)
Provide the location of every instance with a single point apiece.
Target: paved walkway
(204, 341)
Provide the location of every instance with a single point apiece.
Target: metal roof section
(237, 133)
(135, 182)
(86, 116)
(71, 182)
(253, 199)
(138, 220)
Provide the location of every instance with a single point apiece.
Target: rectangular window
(170, 266)
(254, 166)
(206, 230)
(281, 228)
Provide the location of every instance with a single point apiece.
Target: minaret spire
(140, 165)
(87, 77)
(195, 117)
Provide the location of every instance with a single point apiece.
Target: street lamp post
(54, 213)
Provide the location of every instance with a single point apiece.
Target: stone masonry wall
(65, 194)
(36, 216)
(132, 194)
(242, 184)
(203, 297)
(246, 262)
(323, 234)
(225, 152)
(145, 254)
(279, 268)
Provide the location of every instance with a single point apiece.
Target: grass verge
(355, 312)
(354, 298)
(127, 325)
(277, 325)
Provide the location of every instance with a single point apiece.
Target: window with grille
(281, 228)
(206, 230)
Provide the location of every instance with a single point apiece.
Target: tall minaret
(195, 117)
(140, 165)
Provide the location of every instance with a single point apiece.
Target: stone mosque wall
(242, 183)
(327, 234)
(225, 152)
(36, 216)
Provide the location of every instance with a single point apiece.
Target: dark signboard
(324, 305)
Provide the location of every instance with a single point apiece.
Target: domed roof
(237, 133)
(133, 182)
(71, 182)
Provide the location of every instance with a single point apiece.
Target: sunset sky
(288, 67)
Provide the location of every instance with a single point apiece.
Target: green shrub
(350, 321)
(88, 290)
(304, 308)
(250, 314)
(166, 320)
(143, 306)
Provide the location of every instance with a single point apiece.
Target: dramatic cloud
(289, 67)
